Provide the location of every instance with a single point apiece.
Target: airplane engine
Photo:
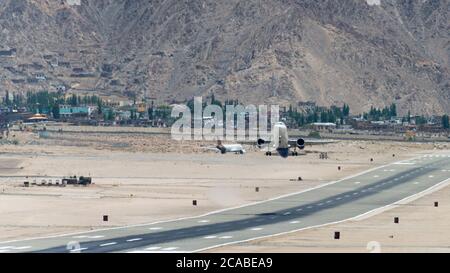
(261, 142)
(301, 143)
(222, 149)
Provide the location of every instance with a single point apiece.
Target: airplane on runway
(282, 147)
(228, 148)
(284, 144)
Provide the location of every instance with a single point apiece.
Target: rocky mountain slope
(362, 52)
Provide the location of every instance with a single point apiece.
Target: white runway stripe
(109, 244)
(153, 248)
(134, 240)
(169, 248)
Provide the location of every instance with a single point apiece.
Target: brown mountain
(259, 51)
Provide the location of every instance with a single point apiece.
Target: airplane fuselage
(281, 139)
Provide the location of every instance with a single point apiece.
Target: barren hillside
(258, 51)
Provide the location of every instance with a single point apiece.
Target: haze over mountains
(360, 52)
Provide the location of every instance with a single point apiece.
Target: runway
(330, 203)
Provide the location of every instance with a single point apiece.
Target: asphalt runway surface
(330, 203)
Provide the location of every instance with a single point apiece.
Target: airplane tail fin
(220, 146)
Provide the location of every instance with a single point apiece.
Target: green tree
(55, 111)
(109, 115)
(445, 122)
(150, 112)
(420, 120)
(346, 110)
(393, 110)
(100, 107)
(7, 101)
(74, 100)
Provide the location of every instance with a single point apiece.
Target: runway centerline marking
(109, 244)
(134, 240)
(79, 249)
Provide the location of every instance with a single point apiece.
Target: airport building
(67, 111)
(323, 126)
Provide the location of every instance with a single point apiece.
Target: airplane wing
(233, 150)
(214, 149)
(319, 141)
(292, 142)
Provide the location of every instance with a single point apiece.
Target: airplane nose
(283, 152)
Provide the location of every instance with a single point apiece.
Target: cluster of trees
(49, 102)
(294, 116)
(42, 102)
(385, 113)
(16, 100)
(420, 120)
(75, 100)
(109, 115)
(46, 99)
(162, 112)
(212, 101)
(332, 114)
